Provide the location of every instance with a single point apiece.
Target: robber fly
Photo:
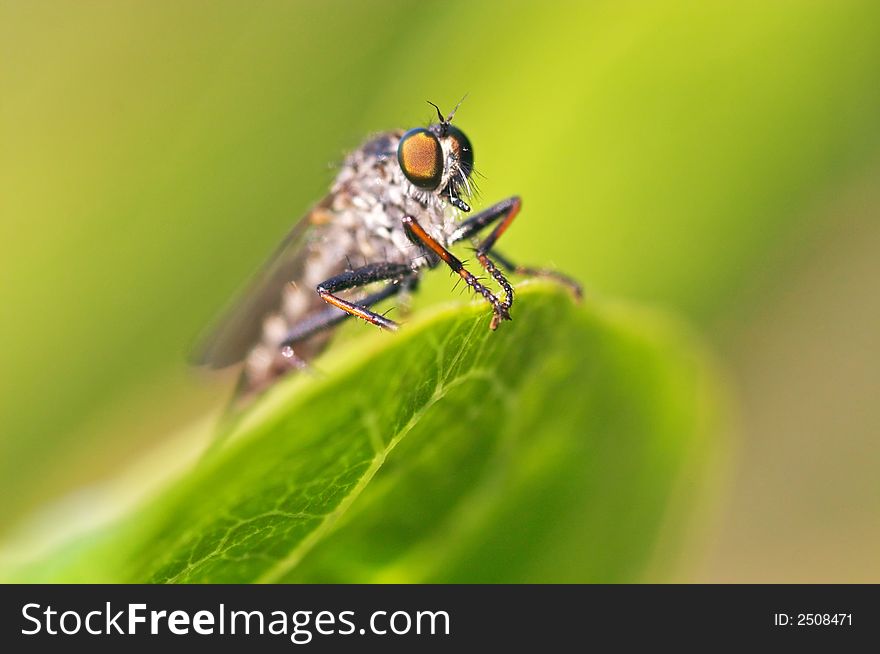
(394, 209)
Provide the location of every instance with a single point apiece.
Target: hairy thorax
(358, 222)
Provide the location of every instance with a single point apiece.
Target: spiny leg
(374, 272)
(419, 236)
(401, 277)
(331, 316)
(506, 211)
(547, 273)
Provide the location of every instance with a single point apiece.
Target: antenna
(448, 119)
(464, 97)
(439, 113)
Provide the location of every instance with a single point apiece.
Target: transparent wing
(240, 327)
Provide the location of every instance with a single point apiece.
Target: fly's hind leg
(375, 272)
(505, 211)
(400, 278)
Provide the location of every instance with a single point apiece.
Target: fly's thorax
(369, 199)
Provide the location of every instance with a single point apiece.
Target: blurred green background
(718, 159)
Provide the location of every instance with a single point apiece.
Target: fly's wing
(240, 328)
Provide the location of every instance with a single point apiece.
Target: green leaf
(554, 449)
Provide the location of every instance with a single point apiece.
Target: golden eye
(461, 146)
(421, 158)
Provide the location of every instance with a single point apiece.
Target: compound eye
(421, 158)
(462, 149)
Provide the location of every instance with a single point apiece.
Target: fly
(396, 205)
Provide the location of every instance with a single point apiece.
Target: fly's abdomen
(299, 300)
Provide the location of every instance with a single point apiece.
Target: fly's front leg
(505, 211)
(419, 236)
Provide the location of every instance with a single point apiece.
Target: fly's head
(438, 160)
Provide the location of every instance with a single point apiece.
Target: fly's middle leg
(546, 273)
(506, 211)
